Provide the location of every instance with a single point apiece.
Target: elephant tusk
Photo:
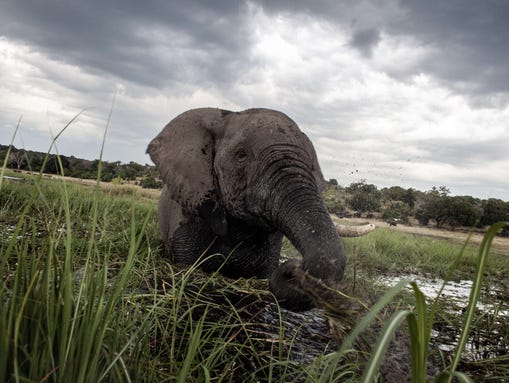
(354, 231)
(351, 231)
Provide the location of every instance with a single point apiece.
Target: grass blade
(4, 166)
(420, 330)
(367, 319)
(383, 342)
(475, 292)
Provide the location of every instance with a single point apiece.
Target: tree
(363, 197)
(393, 193)
(130, 171)
(397, 193)
(410, 197)
(35, 160)
(442, 191)
(17, 158)
(53, 164)
(150, 182)
(397, 209)
(437, 205)
(494, 210)
(462, 211)
(434, 206)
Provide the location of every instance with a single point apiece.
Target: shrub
(149, 182)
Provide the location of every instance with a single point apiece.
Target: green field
(86, 296)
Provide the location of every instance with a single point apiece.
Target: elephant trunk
(297, 210)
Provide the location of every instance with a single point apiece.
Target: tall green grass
(59, 289)
(420, 320)
(388, 252)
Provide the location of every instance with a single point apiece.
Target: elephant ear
(184, 155)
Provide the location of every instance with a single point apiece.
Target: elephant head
(233, 182)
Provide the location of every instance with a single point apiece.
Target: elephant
(235, 183)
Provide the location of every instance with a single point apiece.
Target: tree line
(433, 207)
(20, 159)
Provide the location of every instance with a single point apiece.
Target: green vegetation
(410, 206)
(87, 297)
(420, 321)
(363, 197)
(28, 160)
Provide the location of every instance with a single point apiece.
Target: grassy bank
(385, 251)
(87, 297)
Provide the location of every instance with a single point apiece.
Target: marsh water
(485, 341)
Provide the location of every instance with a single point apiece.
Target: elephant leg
(253, 256)
(185, 238)
(245, 251)
(256, 256)
(190, 242)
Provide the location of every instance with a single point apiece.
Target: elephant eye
(241, 155)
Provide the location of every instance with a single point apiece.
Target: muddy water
(485, 341)
(457, 293)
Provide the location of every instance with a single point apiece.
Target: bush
(149, 182)
(397, 209)
(363, 197)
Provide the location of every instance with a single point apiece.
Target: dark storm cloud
(471, 38)
(468, 39)
(365, 40)
(155, 44)
(163, 43)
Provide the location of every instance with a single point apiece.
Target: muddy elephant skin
(234, 184)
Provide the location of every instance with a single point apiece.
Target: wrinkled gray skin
(234, 184)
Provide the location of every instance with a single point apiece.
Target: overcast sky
(410, 93)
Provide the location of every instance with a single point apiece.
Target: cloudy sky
(410, 93)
